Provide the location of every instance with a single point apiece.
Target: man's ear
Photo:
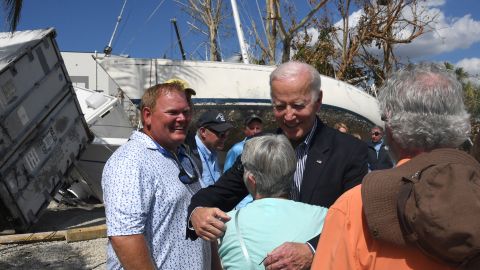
(147, 116)
(203, 132)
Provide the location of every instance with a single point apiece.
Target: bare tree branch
(13, 9)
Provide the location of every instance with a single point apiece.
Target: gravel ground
(55, 255)
(90, 254)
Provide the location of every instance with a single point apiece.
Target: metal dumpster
(42, 129)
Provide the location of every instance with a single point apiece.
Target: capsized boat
(224, 83)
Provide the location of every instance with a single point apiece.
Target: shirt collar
(144, 138)
(153, 145)
(202, 148)
(309, 137)
(379, 142)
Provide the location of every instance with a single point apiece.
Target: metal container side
(22, 120)
(34, 173)
(24, 68)
(33, 80)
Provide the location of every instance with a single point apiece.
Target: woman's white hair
(423, 107)
(272, 161)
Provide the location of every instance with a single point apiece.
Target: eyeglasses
(221, 135)
(376, 133)
(184, 176)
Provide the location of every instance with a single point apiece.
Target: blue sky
(87, 25)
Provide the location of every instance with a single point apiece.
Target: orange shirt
(345, 242)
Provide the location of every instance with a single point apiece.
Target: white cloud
(472, 67)
(434, 3)
(444, 35)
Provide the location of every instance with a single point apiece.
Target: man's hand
(289, 256)
(209, 223)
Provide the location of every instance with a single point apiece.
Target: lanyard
(207, 162)
(170, 154)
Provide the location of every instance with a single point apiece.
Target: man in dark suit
(328, 164)
(378, 156)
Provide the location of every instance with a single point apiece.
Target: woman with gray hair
(420, 121)
(271, 219)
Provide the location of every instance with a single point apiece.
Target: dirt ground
(60, 254)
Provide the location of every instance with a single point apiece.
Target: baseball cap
(186, 87)
(214, 120)
(251, 118)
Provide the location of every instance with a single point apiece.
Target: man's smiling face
(293, 106)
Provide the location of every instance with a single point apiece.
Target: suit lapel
(318, 155)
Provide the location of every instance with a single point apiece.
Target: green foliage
(471, 92)
(318, 55)
(472, 99)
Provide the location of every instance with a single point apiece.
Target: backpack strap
(242, 243)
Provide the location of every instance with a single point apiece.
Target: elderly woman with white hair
(271, 219)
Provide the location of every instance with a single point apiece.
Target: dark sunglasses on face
(376, 133)
(219, 134)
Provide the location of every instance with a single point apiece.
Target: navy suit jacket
(335, 163)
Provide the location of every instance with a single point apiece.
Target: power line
(139, 29)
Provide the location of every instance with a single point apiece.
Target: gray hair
(377, 127)
(294, 68)
(272, 161)
(423, 107)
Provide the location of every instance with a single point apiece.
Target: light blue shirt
(378, 146)
(143, 195)
(232, 155)
(211, 169)
(266, 224)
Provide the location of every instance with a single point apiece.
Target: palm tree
(13, 9)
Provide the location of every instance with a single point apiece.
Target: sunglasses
(184, 176)
(376, 133)
(221, 135)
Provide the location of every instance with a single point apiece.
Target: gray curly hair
(423, 107)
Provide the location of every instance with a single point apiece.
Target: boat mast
(238, 26)
(108, 48)
(179, 40)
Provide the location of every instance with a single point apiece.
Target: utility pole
(179, 40)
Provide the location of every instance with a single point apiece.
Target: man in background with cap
(253, 126)
(211, 135)
(370, 226)
(189, 92)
